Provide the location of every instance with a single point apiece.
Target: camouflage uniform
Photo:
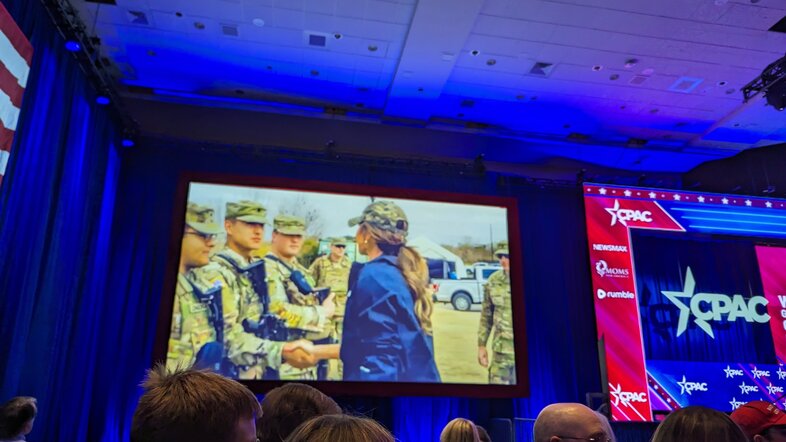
(301, 312)
(191, 327)
(497, 313)
(240, 299)
(335, 275)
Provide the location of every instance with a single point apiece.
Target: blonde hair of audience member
(698, 424)
(459, 430)
(340, 427)
(194, 406)
(568, 421)
(286, 407)
(413, 268)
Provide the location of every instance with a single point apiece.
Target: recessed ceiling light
(373, 48)
(420, 89)
(337, 36)
(151, 53)
(653, 111)
(199, 25)
(520, 97)
(475, 52)
(597, 67)
(314, 73)
(491, 62)
(629, 63)
(178, 14)
(730, 91)
(258, 22)
(722, 83)
(613, 77)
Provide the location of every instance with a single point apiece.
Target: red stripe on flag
(6, 138)
(10, 85)
(15, 35)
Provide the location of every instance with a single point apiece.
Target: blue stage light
(103, 100)
(73, 46)
(126, 142)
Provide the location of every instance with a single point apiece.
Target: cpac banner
(690, 303)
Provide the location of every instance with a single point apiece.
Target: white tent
(429, 249)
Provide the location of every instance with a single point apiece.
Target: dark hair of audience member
(16, 417)
(459, 430)
(698, 424)
(340, 427)
(286, 407)
(191, 405)
(483, 435)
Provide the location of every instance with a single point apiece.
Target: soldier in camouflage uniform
(192, 322)
(244, 223)
(332, 271)
(301, 311)
(497, 314)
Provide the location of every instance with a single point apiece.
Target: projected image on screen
(278, 284)
(690, 298)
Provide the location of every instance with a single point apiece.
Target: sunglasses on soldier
(204, 236)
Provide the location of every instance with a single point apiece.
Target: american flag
(16, 55)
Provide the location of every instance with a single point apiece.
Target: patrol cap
(502, 249)
(200, 218)
(289, 225)
(338, 242)
(384, 215)
(248, 211)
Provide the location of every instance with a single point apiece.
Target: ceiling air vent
(686, 84)
(138, 18)
(542, 69)
(638, 79)
(230, 30)
(318, 40)
(467, 103)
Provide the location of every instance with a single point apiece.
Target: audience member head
(17, 417)
(569, 421)
(286, 407)
(698, 424)
(761, 421)
(459, 430)
(483, 435)
(604, 421)
(194, 406)
(340, 427)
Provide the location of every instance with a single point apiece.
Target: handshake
(304, 353)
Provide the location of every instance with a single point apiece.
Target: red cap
(756, 416)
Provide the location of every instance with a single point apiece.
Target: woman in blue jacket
(387, 324)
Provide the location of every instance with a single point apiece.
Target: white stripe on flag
(13, 61)
(9, 114)
(3, 161)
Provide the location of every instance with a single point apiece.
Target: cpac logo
(713, 307)
(774, 389)
(732, 372)
(747, 389)
(603, 269)
(735, 404)
(625, 397)
(622, 295)
(689, 387)
(610, 248)
(781, 374)
(625, 215)
(757, 374)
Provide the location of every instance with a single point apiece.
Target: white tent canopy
(429, 249)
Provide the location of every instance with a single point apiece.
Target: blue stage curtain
(56, 207)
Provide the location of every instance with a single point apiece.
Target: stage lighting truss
(771, 75)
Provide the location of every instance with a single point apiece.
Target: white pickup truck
(462, 293)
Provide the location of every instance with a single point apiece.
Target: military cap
(289, 225)
(338, 241)
(248, 211)
(502, 249)
(384, 215)
(200, 218)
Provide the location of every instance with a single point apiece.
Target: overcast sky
(444, 223)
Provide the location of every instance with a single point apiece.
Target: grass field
(456, 345)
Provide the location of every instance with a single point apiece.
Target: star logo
(628, 193)
(677, 197)
(701, 199)
(781, 374)
(768, 204)
(748, 203)
(602, 191)
(652, 195)
(748, 389)
(758, 374)
(689, 387)
(725, 201)
(774, 389)
(732, 372)
(688, 291)
(735, 404)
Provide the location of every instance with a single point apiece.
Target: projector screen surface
(277, 258)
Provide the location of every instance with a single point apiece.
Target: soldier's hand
(299, 354)
(329, 304)
(483, 356)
